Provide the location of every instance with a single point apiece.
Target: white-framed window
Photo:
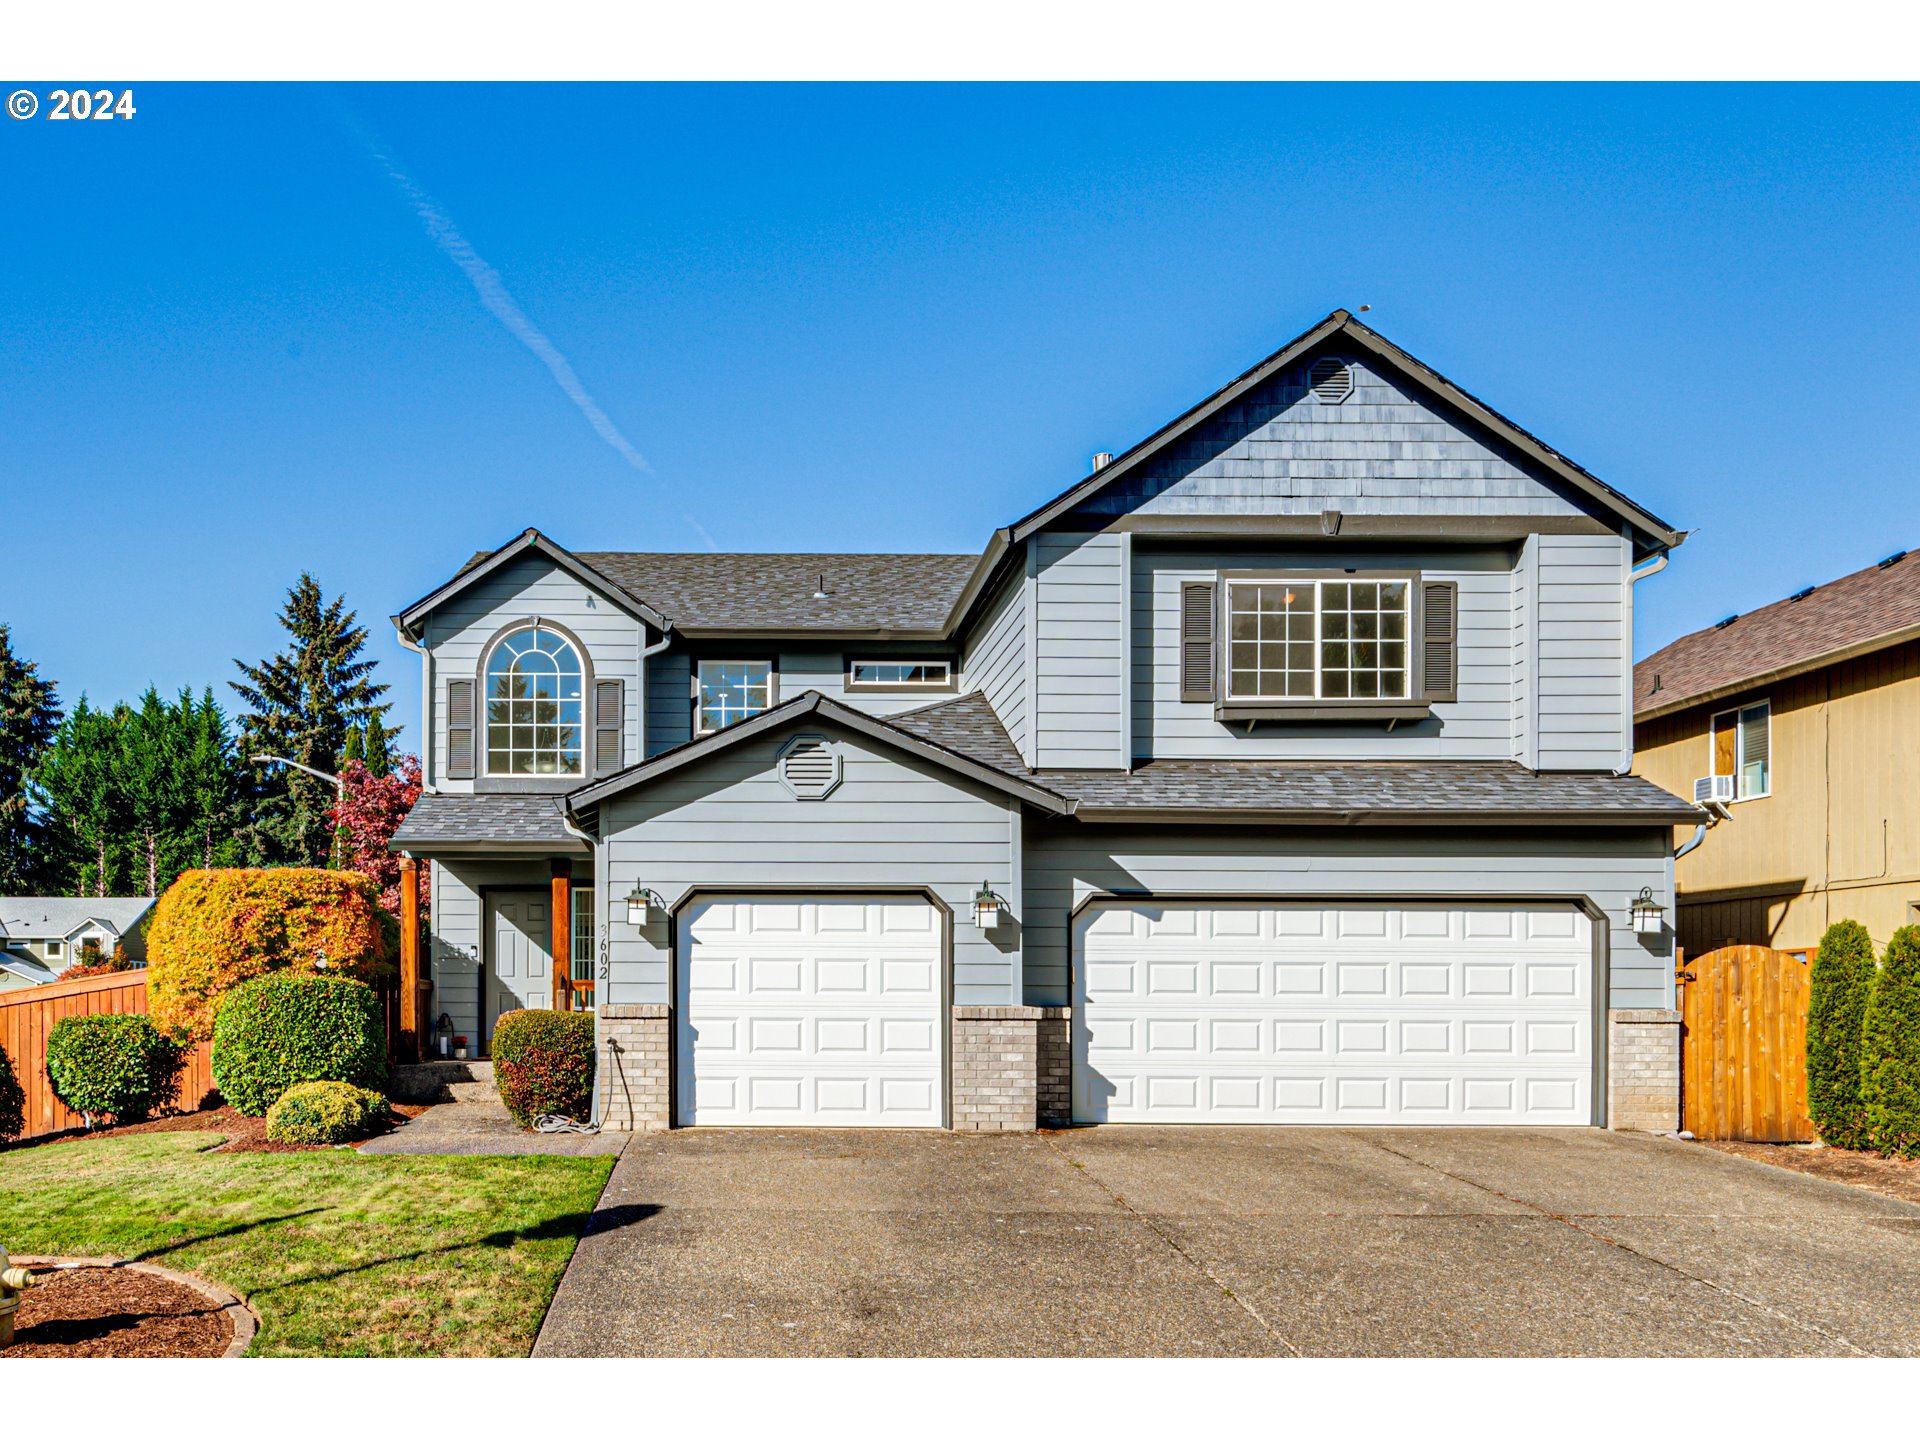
(1312, 639)
(581, 960)
(55, 949)
(729, 691)
(533, 705)
(1742, 742)
(900, 674)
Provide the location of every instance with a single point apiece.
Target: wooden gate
(1743, 1044)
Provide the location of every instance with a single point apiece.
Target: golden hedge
(216, 928)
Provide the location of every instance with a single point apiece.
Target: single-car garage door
(1333, 1013)
(809, 1012)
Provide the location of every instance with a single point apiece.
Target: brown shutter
(1439, 640)
(609, 724)
(1197, 641)
(460, 729)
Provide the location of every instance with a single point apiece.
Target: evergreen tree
(379, 754)
(29, 716)
(212, 783)
(302, 703)
(1890, 1060)
(87, 811)
(1842, 981)
(356, 748)
(152, 765)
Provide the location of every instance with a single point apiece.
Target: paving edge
(246, 1324)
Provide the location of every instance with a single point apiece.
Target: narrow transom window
(534, 680)
(581, 961)
(923, 674)
(730, 691)
(1317, 639)
(1743, 748)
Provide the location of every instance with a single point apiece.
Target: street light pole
(334, 858)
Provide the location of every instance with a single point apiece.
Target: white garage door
(809, 1012)
(1334, 1014)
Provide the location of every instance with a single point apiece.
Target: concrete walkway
(1228, 1241)
(483, 1127)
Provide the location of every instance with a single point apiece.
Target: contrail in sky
(494, 294)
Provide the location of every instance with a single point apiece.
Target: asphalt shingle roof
(776, 592)
(968, 725)
(38, 917)
(1852, 611)
(478, 819)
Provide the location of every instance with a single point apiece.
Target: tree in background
(86, 810)
(213, 785)
(1890, 1058)
(303, 702)
(1842, 981)
(29, 716)
(379, 754)
(369, 811)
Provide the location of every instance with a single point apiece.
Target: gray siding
(1526, 666)
(1279, 451)
(1479, 726)
(996, 663)
(1066, 863)
(826, 671)
(1080, 645)
(1584, 649)
(669, 700)
(457, 633)
(457, 942)
(727, 822)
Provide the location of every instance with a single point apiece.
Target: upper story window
(1743, 748)
(1310, 639)
(534, 707)
(900, 675)
(728, 691)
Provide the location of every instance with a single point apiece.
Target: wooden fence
(1743, 1044)
(27, 1015)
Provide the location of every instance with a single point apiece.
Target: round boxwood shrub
(281, 1030)
(1842, 980)
(324, 1112)
(117, 1065)
(215, 929)
(13, 1101)
(543, 1063)
(1890, 1048)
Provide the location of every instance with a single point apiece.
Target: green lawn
(340, 1253)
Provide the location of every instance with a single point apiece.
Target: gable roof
(802, 707)
(1652, 533)
(735, 593)
(27, 967)
(529, 541)
(1858, 613)
(54, 917)
(968, 725)
(484, 821)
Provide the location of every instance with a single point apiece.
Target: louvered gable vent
(1331, 379)
(809, 767)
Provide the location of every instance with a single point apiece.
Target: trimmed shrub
(214, 929)
(13, 1101)
(1890, 1058)
(283, 1030)
(117, 1065)
(1842, 982)
(324, 1112)
(543, 1063)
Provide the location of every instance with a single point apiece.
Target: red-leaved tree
(369, 810)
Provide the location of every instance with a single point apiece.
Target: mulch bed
(93, 1313)
(1883, 1174)
(243, 1132)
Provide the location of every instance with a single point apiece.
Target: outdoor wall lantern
(986, 907)
(1647, 912)
(639, 901)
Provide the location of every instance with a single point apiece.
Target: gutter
(407, 642)
(1250, 815)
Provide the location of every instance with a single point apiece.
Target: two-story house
(1800, 717)
(41, 935)
(1275, 772)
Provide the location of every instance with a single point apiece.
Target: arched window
(534, 712)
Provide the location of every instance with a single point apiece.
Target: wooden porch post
(562, 871)
(410, 978)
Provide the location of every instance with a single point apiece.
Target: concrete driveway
(1229, 1241)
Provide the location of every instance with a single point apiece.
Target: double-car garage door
(1335, 1014)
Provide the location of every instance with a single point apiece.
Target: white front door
(1331, 1013)
(809, 1012)
(519, 955)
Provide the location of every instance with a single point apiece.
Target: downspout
(1699, 834)
(1652, 567)
(407, 642)
(593, 849)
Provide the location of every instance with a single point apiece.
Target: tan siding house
(1809, 710)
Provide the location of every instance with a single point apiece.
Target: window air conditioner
(1713, 787)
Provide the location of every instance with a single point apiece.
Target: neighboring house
(1290, 750)
(41, 935)
(1804, 714)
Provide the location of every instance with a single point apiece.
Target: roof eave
(1248, 815)
(529, 539)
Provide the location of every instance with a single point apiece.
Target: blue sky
(237, 340)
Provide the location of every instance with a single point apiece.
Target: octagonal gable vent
(809, 767)
(1331, 380)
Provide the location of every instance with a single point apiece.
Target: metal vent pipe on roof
(1103, 459)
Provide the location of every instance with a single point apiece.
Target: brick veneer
(1643, 1070)
(1053, 1035)
(993, 1070)
(636, 1083)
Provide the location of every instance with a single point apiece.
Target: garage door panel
(810, 1012)
(1334, 1013)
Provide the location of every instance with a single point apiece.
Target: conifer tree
(29, 716)
(355, 749)
(1842, 981)
(379, 754)
(1890, 1059)
(87, 811)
